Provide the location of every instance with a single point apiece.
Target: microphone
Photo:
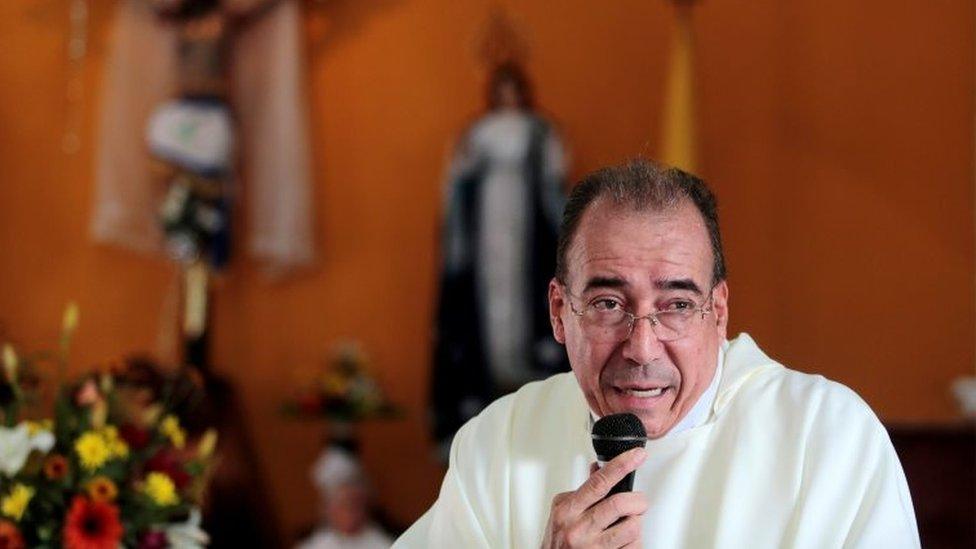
(614, 435)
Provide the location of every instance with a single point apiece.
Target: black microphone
(614, 435)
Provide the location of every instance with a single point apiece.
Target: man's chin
(656, 427)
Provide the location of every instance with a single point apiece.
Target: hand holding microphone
(603, 512)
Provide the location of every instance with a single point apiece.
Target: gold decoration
(679, 140)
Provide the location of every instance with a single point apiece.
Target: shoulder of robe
(757, 381)
(538, 410)
(821, 409)
(484, 450)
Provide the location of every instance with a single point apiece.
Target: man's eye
(605, 305)
(679, 305)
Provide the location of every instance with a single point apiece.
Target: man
(743, 452)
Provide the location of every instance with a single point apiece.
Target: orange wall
(838, 135)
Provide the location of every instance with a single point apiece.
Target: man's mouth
(643, 392)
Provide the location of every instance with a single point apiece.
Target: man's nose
(643, 345)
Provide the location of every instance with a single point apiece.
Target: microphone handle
(626, 484)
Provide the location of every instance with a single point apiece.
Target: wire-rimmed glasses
(605, 319)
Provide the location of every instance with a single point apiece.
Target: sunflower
(92, 525)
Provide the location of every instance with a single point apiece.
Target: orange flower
(102, 489)
(55, 467)
(10, 537)
(92, 525)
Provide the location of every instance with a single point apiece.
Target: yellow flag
(679, 141)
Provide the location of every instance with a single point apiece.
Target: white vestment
(785, 459)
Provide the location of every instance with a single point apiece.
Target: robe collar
(743, 359)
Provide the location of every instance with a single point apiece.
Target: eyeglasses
(604, 318)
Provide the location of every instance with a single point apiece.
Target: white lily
(187, 535)
(17, 443)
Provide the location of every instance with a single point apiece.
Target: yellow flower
(92, 450)
(116, 446)
(15, 503)
(35, 427)
(170, 426)
(102, 489)
(119, 449)
(208, 442)
(160, 489)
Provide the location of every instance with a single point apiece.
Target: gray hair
(641, 185)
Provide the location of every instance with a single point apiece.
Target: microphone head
(615, 434)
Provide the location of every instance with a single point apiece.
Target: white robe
(785, 459)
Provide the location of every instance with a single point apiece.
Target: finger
(600, 482)
(620, 535)
(617, 506)
(594, 467)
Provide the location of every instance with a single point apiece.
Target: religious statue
(504, 198)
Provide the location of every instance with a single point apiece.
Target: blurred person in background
(344, 496)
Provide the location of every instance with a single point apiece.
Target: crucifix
(204, 102)
(191, 139)
(188, 84)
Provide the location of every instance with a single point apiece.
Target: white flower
(14, 449)
(16, 444)
(187, 535)
(42, 440)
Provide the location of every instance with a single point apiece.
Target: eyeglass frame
(705, 308)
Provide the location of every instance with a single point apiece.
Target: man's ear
(720, 304)
(556, 305)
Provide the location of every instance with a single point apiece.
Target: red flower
(168, 462)
(136, 437)
(10, 537)
(55, 467)
(153, 540)
(92, 525)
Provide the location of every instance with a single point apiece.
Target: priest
(743, 452)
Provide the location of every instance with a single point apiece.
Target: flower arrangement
(114, 466)
(344, 392)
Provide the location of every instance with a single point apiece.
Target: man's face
(644, 261)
